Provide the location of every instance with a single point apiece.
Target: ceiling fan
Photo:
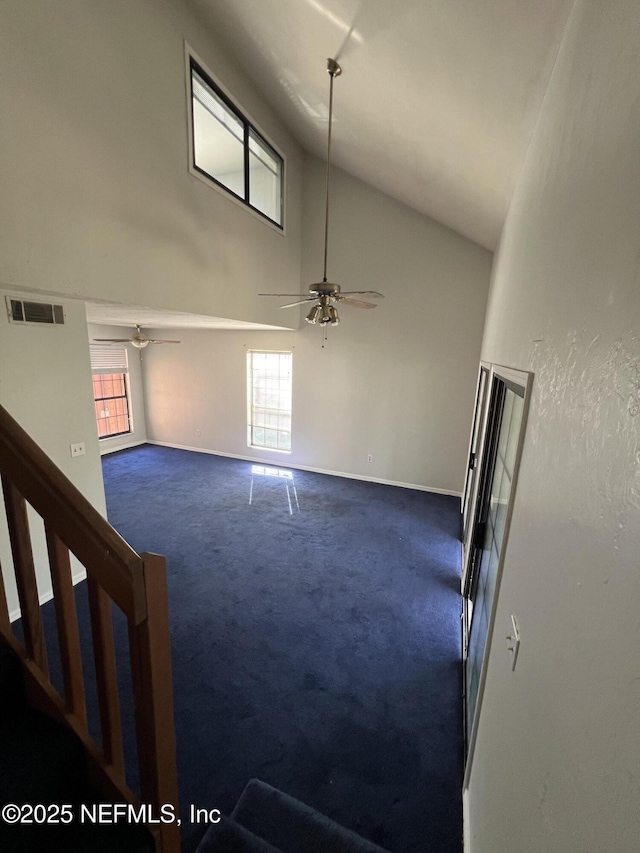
(139, 340)
(325, 294)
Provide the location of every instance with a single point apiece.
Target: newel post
(150, 645)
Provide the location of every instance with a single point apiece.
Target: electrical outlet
(77, 449)
(369, 457)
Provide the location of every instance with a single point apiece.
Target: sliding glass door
(503, 426)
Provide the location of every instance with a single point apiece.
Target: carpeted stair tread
(292, 826)
(227, 836)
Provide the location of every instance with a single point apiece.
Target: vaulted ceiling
(437, 101)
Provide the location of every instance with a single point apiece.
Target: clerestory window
(231, 152)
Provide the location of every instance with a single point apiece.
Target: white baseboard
(48, 595)
(105, 450)
(281, 463)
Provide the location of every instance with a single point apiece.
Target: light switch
(77, 449)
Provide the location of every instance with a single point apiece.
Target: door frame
(474, 461)
(524, 380)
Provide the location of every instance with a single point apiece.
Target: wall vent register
(23, 311)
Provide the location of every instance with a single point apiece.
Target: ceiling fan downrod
(326, 295)
(334, 71)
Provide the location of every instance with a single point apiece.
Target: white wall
(557, 763)
(138, 434)
(45, 384)
(97, 199)
(396, 382)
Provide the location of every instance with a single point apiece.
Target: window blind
(109, 358)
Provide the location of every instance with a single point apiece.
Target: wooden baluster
(106, 678)
(5, 622)
(150, 648)
(20, 537)
(67, 620)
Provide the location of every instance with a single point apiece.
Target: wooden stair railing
(115, 572)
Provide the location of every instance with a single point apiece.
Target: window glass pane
(225, 144)
(265, 179)
(218, 138)
(269, 395)
(111, 404)
(107, 386)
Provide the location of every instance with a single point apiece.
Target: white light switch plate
(78, 449)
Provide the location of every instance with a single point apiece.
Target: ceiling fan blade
(113, 340)
(157, 341)
(373, 293)
(356, 303)
(284, 294)
(300, 302)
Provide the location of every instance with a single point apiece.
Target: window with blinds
(108, 358)
(111, 399)
(269, 393)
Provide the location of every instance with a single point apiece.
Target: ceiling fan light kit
(325, 294)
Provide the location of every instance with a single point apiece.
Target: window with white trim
(269, 398)
(231, 152)
(111, 398)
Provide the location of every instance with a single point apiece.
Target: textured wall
(557, 761)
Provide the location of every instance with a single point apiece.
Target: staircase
(47, 753)
(266, 820)
(59, 788)
(42, 761)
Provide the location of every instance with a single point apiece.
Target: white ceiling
(117, 314)
(437, 100)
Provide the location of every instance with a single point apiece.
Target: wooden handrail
(103, 552)
(115, 572)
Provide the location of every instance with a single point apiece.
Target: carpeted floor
(316, 638)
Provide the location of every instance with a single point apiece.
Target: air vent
(21, 311)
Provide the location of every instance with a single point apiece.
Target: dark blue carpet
(316, 649)
(316, 639)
